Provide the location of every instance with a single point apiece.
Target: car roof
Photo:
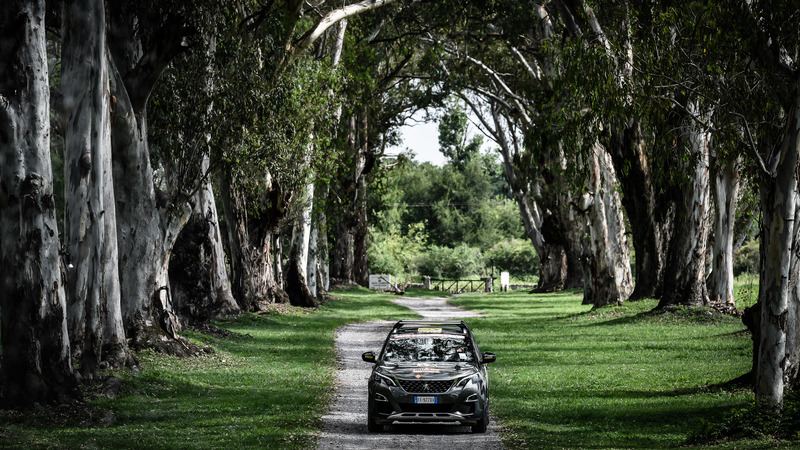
(441, 326)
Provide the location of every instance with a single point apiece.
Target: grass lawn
(569, 377)
(565, 377)
(266, 386)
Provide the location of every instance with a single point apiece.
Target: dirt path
(345, 424)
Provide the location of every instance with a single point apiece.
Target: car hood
(428, 370)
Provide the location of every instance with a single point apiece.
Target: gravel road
(345, 424)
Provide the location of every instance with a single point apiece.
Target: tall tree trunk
(322, 256)
(197, 273)
(250, 226)
(147, 227)
(725, 193)
(148, 219)
(511, 151)
(297, 285)
(92, 283)
(608, 278)
(685, 273)
(778, 331)
(36, 364)
(650, 214)
(563, 236)
(342, 257)
(361, 259)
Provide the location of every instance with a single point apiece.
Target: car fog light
(380, 398)
(472, 398)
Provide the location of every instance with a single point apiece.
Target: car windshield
(415, 347)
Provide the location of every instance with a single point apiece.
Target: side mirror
(489, 357)
(369, 357)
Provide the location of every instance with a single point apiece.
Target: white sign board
(504, 280)
(380, 282)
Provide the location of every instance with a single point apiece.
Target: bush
(444, 262)
(746, 258)
(515, 256)
(392, 253)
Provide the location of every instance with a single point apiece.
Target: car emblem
(426, 387)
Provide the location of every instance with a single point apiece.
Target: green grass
(566, 377)
(266, 386)
(570, 377)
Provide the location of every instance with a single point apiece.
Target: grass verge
(265, 386)
(617, 377)
(566, 377)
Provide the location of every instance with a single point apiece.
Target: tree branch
(299, 46)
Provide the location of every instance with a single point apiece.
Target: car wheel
(482, 424)
(372, 426)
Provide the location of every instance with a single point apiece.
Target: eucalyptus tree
(92, 278)
(381, 64)
(263, 46)
(521, 82)
(181, 109)
(36, 362)
(769, 41)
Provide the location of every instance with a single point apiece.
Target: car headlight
(464, 382)
(380, 378)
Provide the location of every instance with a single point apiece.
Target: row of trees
(149, 103)
(650, 111)
(662, 113)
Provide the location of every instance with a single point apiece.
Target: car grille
(426, 386)
(439, 408)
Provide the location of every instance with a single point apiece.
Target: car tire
(372, 426)
(482, 424)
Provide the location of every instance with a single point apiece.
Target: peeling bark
(777, 358)
(650, 214)
(197, 273)
(725, 194)
(250, 226)
(608, 275)
(36, 364)
(685, 272)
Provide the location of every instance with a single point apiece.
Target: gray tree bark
(608, 276)
(650, 213)
(249, 238)
(685, 272)
(36, 363)
(197, 272)
(779, 274)
(92, 283)
(725, 195)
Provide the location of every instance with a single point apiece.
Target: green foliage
(746, 259)
(462, 261)
(453, 137)
(515, 256)
(395, 253)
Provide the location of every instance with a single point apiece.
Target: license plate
(425, 400)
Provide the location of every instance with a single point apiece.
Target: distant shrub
(515, 256)
(746, 259)
(444, 262)
(395, 254)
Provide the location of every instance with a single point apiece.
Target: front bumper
(390, 404)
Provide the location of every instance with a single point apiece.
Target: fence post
(488, 281)
(426, 282)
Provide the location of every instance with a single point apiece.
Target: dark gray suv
(429, 371)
